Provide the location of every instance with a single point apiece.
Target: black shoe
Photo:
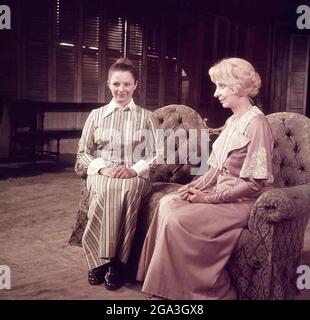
(114, 278)
(96, 275)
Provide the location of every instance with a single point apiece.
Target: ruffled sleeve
(258, 161)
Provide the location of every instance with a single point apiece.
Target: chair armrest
(280, 204)
(277, 225)
(80, 170)
(212, 131)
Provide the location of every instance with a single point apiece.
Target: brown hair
(124, 64)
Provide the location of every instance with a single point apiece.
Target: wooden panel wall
(8, 53)
(35, 65)
(222, 38)
(289, 70)
(259, 54)
(279, 71)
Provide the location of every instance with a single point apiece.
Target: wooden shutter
(260, 55)
(115, 35)
(35, 50)
(172, 71)
(115, 32)
(134, 48)
(153, 67)
(298, 73)
(65, 49)
(279, 68)
(8, 55)
(90, 51)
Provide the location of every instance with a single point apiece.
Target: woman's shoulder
(258, 123)
(146, 113)
(259, 119)
(254, 117)
(101, 108)
(142, 109)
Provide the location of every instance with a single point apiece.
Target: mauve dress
(188, 245)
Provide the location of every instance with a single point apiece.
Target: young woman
(117, 175)
(194, 231)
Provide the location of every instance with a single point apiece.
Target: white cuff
(95, 165)
(142, 169)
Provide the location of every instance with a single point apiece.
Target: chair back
(172, 118)
(291, 161)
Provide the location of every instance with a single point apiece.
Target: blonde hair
(237, 73)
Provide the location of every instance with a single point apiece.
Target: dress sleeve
(207, 180)
(256, 168)
(258, 161)
(244, 189)
(86, 149)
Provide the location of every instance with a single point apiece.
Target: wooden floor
(37, 212)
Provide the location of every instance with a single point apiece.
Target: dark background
(55, 58)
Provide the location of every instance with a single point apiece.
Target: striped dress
(113, 136)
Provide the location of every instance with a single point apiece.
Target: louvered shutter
(35, 50)
(153, 67)
(135, 53)
(90, 51)
(298, 73)
(8, 56)
(260, 56)
(65, 49)
(115, 27)
(172, 75)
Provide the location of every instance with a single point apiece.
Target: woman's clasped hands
(118, 172)
(190, 194)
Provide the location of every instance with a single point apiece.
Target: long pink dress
(188, 245)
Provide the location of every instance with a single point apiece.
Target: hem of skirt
(189, 297)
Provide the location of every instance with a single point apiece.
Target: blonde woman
(194, 231)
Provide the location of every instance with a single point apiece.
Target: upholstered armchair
(264, 262)
(268, 253)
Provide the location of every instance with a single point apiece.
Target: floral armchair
(268, 253)
(264, 262)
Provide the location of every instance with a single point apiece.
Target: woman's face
(226, 95)
(122, 85)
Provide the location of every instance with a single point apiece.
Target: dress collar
(232, 137)
(112, 106)
(244, 120)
